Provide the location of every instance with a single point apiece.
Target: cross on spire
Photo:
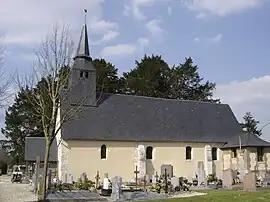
(85, 16)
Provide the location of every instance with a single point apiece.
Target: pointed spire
(83, 47)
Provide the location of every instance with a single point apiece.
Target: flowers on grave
(84, 185)
(212, 178)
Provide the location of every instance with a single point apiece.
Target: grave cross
(144, 183)
(166, 181)
(97, 179)
(136, 176)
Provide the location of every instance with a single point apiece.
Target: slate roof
(137, 118)
(247, 140)
(35, 146)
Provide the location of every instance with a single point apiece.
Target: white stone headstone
(175, 182)
(116, 188)
(201, 173)
(106, 183)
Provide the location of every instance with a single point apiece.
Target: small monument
(116, 188)
(175, 182)
(228, 177)
(106, 190)
(250, 182)
(201, 173)
(169, 170)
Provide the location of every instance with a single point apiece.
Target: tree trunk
(46, 163)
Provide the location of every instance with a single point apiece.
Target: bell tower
(82, 82)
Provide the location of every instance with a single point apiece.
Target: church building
(114, 133)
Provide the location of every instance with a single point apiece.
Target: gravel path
(15, 192)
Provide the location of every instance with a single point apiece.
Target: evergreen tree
(107, 79)
(149, 78)
(186, 83)
(250, 124)
(20, 122)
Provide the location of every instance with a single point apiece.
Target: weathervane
(85, 15)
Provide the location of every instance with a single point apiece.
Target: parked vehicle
(17, 173)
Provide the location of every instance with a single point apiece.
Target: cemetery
(163, 185)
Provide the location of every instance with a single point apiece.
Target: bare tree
(48, 81)
(5, 80)
(49, 84)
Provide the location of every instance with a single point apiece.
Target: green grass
(226, 196)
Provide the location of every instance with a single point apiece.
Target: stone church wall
(84, 156)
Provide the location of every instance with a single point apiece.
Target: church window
(188, 152)
(81, 74)
(86, 74)
(234, 153)
(103, 152)
(149, 152)
(214, 153)
(260, 153)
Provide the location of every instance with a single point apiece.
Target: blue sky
(229, 40)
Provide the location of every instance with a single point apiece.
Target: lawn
(226, 196)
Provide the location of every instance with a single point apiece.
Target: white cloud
(119, 50)
(143, 42)
(221, 7)
(153, 26)
(248, 96)
(135, 7)
(123, 50)
(216, 38)
(25, 23)
(102, 26)
(106, 37)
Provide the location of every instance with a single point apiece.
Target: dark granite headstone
(169, 170)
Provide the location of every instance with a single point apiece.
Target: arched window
(214, 153)
(188, 152)
(149, 152)
(103, 152)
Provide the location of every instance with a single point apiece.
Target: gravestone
(266, 180)
(228, 177)
(106, 190)
(175, 182)
(201, 173)
(84, 177)
(70, 179)
(250, 181)
(154, 179)
(169, 170)
(116, 188)
(65, 178)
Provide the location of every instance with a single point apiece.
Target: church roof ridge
(168, 99)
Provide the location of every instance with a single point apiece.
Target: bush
(84, 185)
